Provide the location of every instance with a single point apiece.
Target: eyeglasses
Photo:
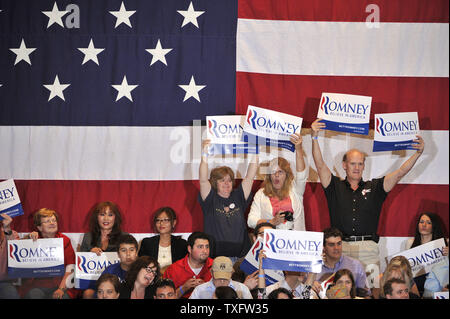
(49, 221)
(164, 220)
(278, 172)
(151, 269)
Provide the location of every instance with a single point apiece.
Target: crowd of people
(206, 266)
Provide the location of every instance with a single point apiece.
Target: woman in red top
(46, 222)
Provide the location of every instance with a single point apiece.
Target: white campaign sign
(89, 267)
(422, 258)
(395, 131)
(440, 295)
(41, 258)
(345, 112)
(9, 199)
(263, 126)
(251, 263)
(225, 129)
(293, 250)
(225, 135)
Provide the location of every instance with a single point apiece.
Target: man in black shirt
(354, 204)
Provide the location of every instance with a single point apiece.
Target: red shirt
(53, 282)
(180, 272)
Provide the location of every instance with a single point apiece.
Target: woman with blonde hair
(400, 268)
(280, 200)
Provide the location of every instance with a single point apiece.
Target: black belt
(361, 238)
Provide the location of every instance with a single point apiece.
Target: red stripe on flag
(73, 200)
(300, 95)
(137, 199)
(345, 10)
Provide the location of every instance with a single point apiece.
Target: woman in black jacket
(164, 247)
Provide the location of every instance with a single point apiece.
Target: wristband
(7, 233)
(181, 290)
(315, 137)
(261, 276)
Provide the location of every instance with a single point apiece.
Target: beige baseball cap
(222, 268)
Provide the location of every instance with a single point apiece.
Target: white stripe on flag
(165, 153)
(343, 48)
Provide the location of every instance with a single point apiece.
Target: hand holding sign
(316, 126)
(297, 140)
(419, 144)
(206, 144)
(397, 131)
(6, 222)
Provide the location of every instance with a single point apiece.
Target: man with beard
(194, 269)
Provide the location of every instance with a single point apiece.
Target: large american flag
(98, 98)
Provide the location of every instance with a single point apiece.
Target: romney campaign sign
(263, 126)
(40, 258)
(345, 112)
(251, 264)
(225, 134)
(422, 258)
(293, 250)
(395, 131)
(89, 267)
(9, 199)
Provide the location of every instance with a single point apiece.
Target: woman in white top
(282, 192)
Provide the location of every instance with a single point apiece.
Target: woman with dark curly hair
(141, 279)
(104, 229)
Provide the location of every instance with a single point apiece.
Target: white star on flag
(123, 16)
(54, 16)
(124, 89)
(22, 53)
(192, 89)
(90, 53)
(190, 15)
(56, 89)
(159, 54)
